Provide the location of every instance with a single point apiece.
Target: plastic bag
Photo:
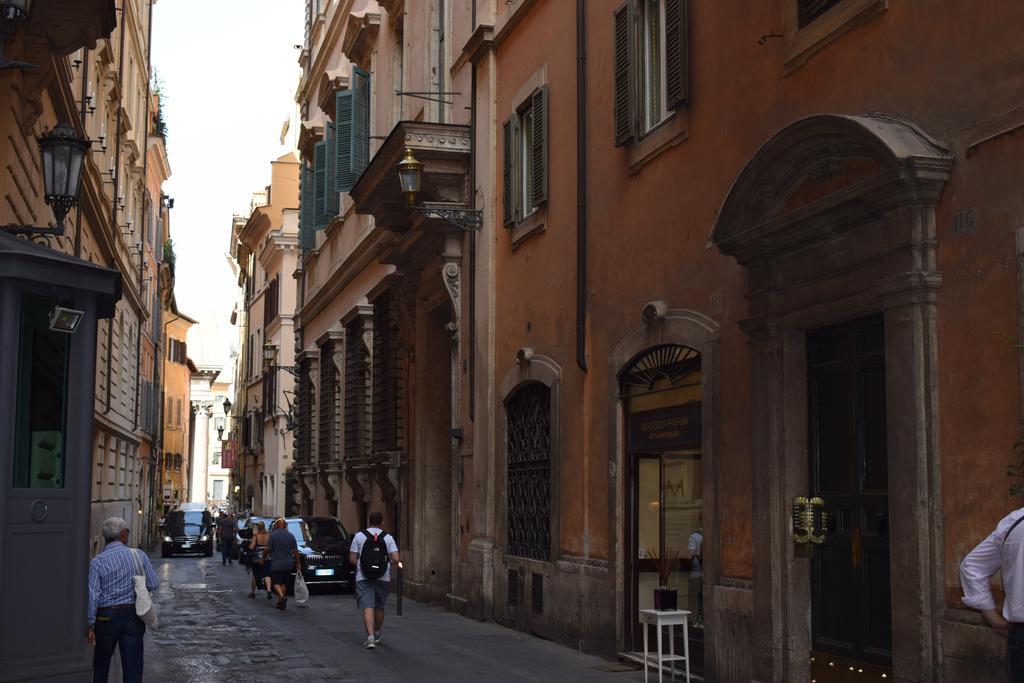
(301, 589)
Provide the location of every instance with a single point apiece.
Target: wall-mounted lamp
(410, 176)
(12, 13)
(270, 355)
(227, 406)
(62, 153)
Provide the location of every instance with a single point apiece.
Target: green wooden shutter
(625, 85)
(360, 121)
(331, 203)
(539, 169)
(320, 219)
(677, 53)
(344, 179)
(306, 225)
(508, 171)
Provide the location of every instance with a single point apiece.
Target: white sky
(229, 70)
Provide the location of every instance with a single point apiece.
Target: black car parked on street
(325, 554)
(187, 531)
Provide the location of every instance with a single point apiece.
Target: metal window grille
(529, 472)
(356, 388)
(387, 377)
(809, 10)
(328, 402)
(303, 406)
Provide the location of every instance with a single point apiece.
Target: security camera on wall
(653, 310)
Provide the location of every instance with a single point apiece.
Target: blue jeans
(226, 544)
(118, 628)
(1015, 655)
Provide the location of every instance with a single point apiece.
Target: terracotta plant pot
(666, 598)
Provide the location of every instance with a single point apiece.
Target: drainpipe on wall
(581, 185)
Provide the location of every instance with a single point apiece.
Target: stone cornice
(360, 37)
(480, 43)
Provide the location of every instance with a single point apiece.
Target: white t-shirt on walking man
(357, 547)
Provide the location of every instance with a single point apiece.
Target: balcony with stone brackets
(446, 152)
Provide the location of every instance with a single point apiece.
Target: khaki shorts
(372, 593)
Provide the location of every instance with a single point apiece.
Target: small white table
(669, 618)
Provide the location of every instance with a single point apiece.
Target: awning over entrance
(24, 260)
(444, 149)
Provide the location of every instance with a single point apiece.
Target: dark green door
(851, 605)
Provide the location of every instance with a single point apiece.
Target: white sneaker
(369, 644)
(378, 637)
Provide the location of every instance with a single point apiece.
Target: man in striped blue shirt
(113, 622)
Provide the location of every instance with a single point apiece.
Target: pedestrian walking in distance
(282, 555)
(112, 620)
(226, 529)
(1003, 551)
(372, 552)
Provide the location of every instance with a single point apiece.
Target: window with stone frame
(651, 65)
(525, 158)
(809, 10)
(528, 470)
(387, 377)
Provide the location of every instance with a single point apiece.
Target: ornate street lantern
(410, 175)
(63, 152)
(12, 13)
(269, 353)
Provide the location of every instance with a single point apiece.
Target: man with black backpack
(372, 552)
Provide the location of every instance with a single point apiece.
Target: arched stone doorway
(664, 482)
(834, 220)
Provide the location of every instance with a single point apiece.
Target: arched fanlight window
(667, 366)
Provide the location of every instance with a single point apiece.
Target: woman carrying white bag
(115, 606)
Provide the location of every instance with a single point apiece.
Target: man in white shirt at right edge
(1002, 551)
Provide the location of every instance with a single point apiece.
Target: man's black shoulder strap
(1012, 527)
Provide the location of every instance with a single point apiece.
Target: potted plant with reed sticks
(665, 598)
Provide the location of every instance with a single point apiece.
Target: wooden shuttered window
(624, 69)
(539, 162)
(809, 10)
(525, 180)
(331, 204)
(360, 121)
(307, 231)
(629, 99)
(677, 53)
(321, 219)
(352, 128)
(508, 171)
(344, 179)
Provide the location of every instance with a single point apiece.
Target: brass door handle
(810, 521)
(855, 547)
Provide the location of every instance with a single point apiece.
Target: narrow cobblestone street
(211, 631)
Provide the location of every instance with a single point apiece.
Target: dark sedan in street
(187, 531)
